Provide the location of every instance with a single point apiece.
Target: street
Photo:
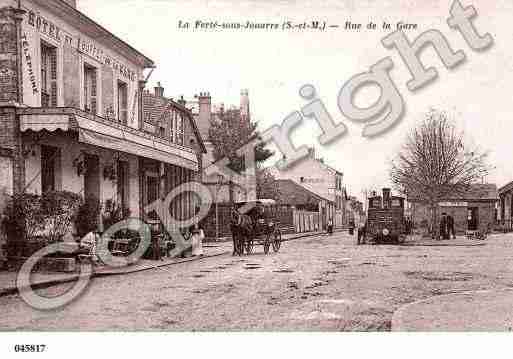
(315, 283)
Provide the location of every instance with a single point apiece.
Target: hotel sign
(92, 50)
(453, 204)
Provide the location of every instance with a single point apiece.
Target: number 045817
(29, 348)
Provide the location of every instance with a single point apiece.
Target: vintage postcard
(255, 166)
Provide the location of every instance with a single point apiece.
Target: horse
(242, 227)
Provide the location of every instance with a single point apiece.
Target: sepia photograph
(291, 167)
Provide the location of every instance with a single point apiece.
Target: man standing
(361, 232)
(450, 227)
(444, 232)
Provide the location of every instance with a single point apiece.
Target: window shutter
(108, 91)
(71, 76)
(94, 91)
(53, 77)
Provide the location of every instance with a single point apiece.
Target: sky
(273, 65)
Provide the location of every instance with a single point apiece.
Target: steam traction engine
(385, 219)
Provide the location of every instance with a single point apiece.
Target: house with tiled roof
(471, 210)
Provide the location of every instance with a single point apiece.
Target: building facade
(326, 182)
(474, 210)
(505, 210)
(72, 115)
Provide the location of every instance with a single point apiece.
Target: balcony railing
(71, 112)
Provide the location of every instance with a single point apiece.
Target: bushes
(32, 221)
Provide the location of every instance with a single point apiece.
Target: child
(197, 238)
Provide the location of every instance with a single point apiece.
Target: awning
(44, 122)
(123, 145)
(111, 135)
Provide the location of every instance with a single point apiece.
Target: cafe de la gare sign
(96, 52)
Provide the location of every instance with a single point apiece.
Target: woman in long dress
(197, 241)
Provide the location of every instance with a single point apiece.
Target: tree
(434, 163)
(228, 133)
(267, 186)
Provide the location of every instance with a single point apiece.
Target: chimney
(182, 101)
(72, 3)
(244, 105)
(159, 90)
(386, 198)
(204, 113)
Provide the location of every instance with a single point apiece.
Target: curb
(54, 282)
(51, 283)
(397, 322)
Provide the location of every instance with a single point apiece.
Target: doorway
(473, 218)
(92, 177)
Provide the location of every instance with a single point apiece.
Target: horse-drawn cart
(258, 226)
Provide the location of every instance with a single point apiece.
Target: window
(50, 165)
(122, 102)
(152, 189)
(90, 89)
(48, 75)
(177, 130)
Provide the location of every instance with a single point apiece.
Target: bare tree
(434, 164)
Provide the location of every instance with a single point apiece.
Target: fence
(305, 221)
(281, 214)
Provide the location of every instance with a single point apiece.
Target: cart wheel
(277, 241)
(249, 246)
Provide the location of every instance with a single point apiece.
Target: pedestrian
(444, 230)
(155, 246)
(361, 233)
(330, 226)
(197, 240)
(351, 226)
(450, 227)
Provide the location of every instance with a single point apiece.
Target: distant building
(204, 111)
(505, 211)
(473, 210)
(316, 176)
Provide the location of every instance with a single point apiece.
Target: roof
(477, 192)
(155, 106)
(87, 25)
(294, 194)
(506, 188)
(485, 191)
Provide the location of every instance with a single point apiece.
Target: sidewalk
(43, 280)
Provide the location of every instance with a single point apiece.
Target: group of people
(194, 234)
(447, 227)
